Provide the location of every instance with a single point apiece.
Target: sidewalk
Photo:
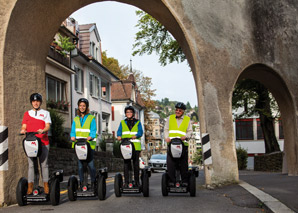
(273, 189)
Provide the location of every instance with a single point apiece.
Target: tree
(188, 107)
(154, 37)
(113, 65)
(144, 83)
(256, 99)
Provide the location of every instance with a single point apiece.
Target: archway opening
(248, 130)
(27, 47)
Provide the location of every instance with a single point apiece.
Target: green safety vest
(174, 131)
(126, 133)
(84, 131)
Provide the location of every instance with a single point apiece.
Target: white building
(91, 79)
(249, 135)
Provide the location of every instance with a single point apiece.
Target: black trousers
(182, 163)
(136, 167)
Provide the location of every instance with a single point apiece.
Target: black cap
(35, 97)
(83, 100)
(180, 105)
(129, 108)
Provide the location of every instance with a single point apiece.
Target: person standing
(178, 125)
(84, 126)
(131, 128)
(38, 120)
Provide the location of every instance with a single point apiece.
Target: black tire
(72, 188)
(21, 191)
(164, 184)
(55, 192)
(152, 170)
(192, 185)
(118, 184)
(145, 185)
(101, 187)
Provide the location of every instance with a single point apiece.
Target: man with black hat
(178, 125)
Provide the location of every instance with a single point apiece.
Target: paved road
(231, 198)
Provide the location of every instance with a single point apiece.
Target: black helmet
(83, 100)
(35, 97)
(129, 107)
(180, 105)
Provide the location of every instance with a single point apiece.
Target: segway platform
(33, 149)
(175, 150)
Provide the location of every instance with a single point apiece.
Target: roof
(123, 90)
(153, 115)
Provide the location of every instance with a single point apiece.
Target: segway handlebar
(27, 133)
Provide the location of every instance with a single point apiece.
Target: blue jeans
(91, 168)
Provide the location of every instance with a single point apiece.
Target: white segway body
(81, 151)
(126, 151)
(32, 147)
(176, 150)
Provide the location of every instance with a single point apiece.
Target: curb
(270, 202)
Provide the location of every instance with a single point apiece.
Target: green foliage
(246, 95)
(65, 44)
(198, 157)
(241, 158)
(102, 144)
(116, 149)
(154, 37)
(57, 130)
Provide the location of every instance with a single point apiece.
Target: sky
(116, 26)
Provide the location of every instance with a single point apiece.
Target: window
(94, 83)
(56, 89)
(259, 130)
(105, 91)
(97, 119)
(244, 129)
(79, 79)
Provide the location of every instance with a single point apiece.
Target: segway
(128, 151)
(83, 149)
(175, 149)
(32, 148)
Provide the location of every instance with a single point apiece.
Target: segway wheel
(55, 192)
(101, 187)
(21, 191)
(72, 188)
(145, 185)
(192, 185)
(118, 184)
(164, 184)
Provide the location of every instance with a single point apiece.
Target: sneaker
(46, 188)
(30, 188)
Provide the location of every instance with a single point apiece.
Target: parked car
(158, 162)
(142, 163)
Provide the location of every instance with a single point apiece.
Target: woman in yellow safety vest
(131, 128)
(84, 126)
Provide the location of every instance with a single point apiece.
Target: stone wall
(271, 162)
(66, 159)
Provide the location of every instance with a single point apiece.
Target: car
(142, 163)
(158, 162)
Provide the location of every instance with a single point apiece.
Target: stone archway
(219, 38)
(276, 85)
(30, 28)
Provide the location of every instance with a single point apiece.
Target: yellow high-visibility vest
(84, 131)
(126, 133)
(174, 131)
